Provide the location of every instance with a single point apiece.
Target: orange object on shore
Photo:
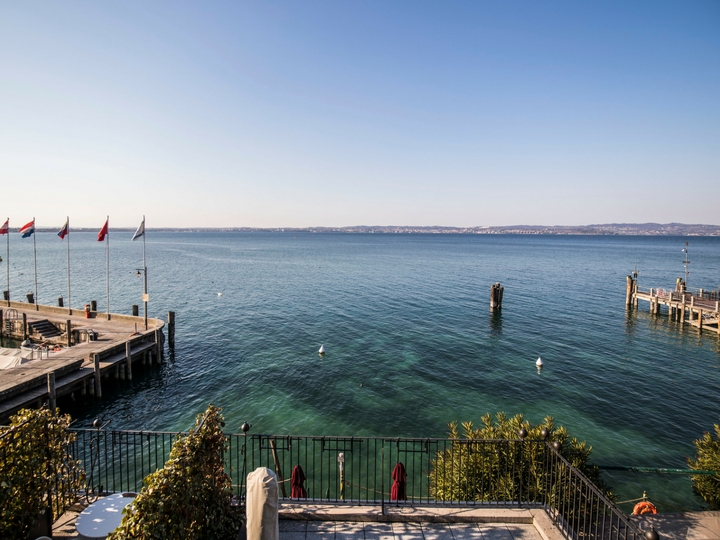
(644, 507)
(87, 311)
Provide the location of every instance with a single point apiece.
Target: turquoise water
(407, 316)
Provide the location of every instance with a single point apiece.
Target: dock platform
(82, 353)
(700, 309)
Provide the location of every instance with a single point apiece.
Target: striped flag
(65, 230)
(140, 231)
(103, 232)
(5, 227)
(28, 229)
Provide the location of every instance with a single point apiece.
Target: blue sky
(291, 114)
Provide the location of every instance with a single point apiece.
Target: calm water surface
(407, 316)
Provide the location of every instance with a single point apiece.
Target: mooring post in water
(496, 294)
(630, 289)
(135, 310)
(98, 387)
(24, 329)
(171, 329)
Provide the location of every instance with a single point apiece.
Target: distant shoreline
(611, 229)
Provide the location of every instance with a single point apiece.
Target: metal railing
(359, 471)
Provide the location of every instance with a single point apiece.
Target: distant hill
(637, 229)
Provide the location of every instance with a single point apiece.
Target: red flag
(103, 232)
(5, 227)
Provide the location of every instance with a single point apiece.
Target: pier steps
(45, 329)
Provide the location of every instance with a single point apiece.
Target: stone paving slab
(317, 530)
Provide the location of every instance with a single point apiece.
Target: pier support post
(700, 321)
(51, 391)
(171, 329)
(25, 327)
(629, 290)
(158, 348)
(68, 327)
(98, 386)
(496, 294)
(128, 360)
(2, 326)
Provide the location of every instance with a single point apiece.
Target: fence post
(382, 478)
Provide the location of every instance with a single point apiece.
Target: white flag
(140, 231)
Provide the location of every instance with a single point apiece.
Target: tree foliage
(708, 458)
(36, 471)
(507, 469)
(190, 497)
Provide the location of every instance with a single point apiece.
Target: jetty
(700, 308)
(77, 351)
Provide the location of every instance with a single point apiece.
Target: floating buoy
(219, 294)
(644, 507)
(539, 362)
(322, 349)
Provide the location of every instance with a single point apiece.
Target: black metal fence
(359, 470)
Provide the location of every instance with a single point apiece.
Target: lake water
(407, 316)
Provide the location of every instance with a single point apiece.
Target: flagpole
(8, 261)
(107, 265)
(145, 275)
(35, 259)
(68, 257)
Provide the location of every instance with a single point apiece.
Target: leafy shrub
(506, 470)
(34, 463)
(190, 497)
(708, 458)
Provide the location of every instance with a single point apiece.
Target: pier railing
(362, 471)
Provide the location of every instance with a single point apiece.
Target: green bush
(34, 463)
(470, 470)
(190, 497)
(707, 486)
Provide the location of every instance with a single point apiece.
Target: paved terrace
(341, 522)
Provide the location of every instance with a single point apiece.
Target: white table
(103, 516)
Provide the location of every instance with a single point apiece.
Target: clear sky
(333, 113)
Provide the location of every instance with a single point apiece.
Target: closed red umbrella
(297, 490)
(397, 493)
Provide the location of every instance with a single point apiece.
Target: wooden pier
(89, 350)
(700, 309)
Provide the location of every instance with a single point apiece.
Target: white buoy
(539, 362)
(322, 349)
(219, 294)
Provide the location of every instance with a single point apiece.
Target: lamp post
(145, 293)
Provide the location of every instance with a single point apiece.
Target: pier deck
(700, 309)
(81, 367)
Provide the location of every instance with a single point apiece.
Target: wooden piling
(68, 327)
(93, 305)
(2, 326)
(25, 327)
(51, 391)
(629, 290)
(98, 384)
(496, 294)
(171, 329)
(128, 360)
(61, 302)
(158, 348)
